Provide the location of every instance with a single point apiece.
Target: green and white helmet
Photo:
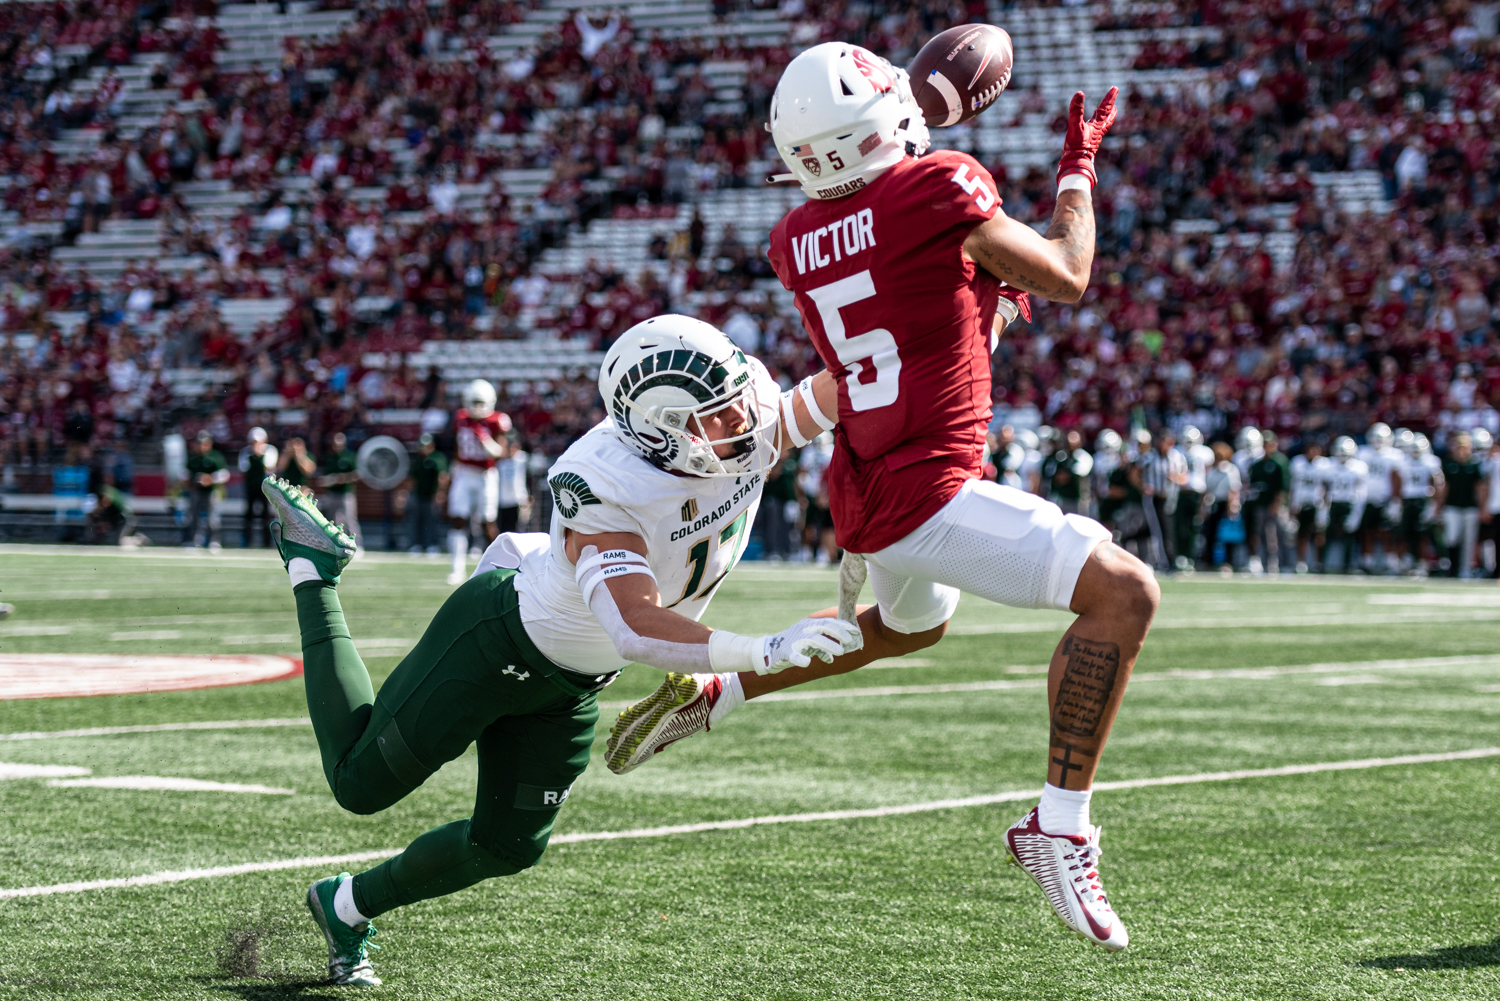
(663, 377)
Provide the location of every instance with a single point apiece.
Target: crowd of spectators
(361, 155)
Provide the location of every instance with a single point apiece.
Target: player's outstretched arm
(618, 586)
(1055, 266)
(799, 423)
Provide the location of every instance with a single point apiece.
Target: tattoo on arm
(997, 267)
(1088, 682)
(1072, 230)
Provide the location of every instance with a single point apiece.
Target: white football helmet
(1379, 435)
(1344, 448)
(1404, 440)
(1108, 441)
(1191, 436)
(663, 377)
(840, 116)
(1249, 439)
(1420, 446)
(1481, 439)
(479, 398)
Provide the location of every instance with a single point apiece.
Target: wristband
(789, 421)
(1075, 182)
(729, 651)
(1007, 308)
(804, 389)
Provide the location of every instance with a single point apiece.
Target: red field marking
(65, 675)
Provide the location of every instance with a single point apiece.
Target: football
(960, 72)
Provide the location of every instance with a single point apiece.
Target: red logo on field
(875, 69)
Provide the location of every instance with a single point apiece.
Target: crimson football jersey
(902, 320)
(469, 435)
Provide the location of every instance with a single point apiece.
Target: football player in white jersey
(1383, 463)
(1200, 459)
(1309, 503)
(1249, 447)
(1347, 489)
(651, 510)
(1420, 475)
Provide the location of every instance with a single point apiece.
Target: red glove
(1021, 300)
(1084, 136)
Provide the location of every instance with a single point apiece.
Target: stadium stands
(313, 215)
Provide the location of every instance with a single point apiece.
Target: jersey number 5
(877, 346)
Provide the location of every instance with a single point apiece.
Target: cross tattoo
(1066, 763)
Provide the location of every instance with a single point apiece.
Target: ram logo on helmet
(666, 381)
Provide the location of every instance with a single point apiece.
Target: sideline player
(474, 482)
(1383, 462)
(652, 509)
(899, 263)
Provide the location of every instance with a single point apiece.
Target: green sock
(440, 862)
(339, 693)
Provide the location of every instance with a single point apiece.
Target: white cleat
(678, 709)
(1066, 867)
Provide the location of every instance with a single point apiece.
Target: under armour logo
(519, 675)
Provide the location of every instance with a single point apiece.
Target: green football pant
(474, 677)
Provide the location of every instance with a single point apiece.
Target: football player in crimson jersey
(905, 269)
(479, 443)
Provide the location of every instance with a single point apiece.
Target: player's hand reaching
(1084, 136)
(824, 639)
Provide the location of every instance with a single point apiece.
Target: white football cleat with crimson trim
(1066, 867)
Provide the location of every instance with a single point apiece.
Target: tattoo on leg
(1088, 682)
(1066, 762)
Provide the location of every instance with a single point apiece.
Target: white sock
(458, 545)
(301, 570)
(731, 697)
(1064, 811)
(343, 904)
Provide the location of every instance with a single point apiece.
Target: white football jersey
(1380, 463)
(1418, 475)
(695, 528)
(1308, 479)
(1200, 459)
(1348, 482)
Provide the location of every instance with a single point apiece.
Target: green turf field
(1371, 882)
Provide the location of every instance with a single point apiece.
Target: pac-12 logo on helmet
(664, 377)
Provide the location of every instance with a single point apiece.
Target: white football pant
(990, 540)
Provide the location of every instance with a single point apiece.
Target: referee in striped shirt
(1163, 471)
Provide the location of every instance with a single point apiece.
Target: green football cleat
(301, 530)
(675, 711)
(348, 959)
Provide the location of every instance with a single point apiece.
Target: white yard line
(1210, 621)
(109, 731)
(1242, 673)
(169, 784)
(1017, 795)
(14, 771)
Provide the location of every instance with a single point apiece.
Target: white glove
(796, 646)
